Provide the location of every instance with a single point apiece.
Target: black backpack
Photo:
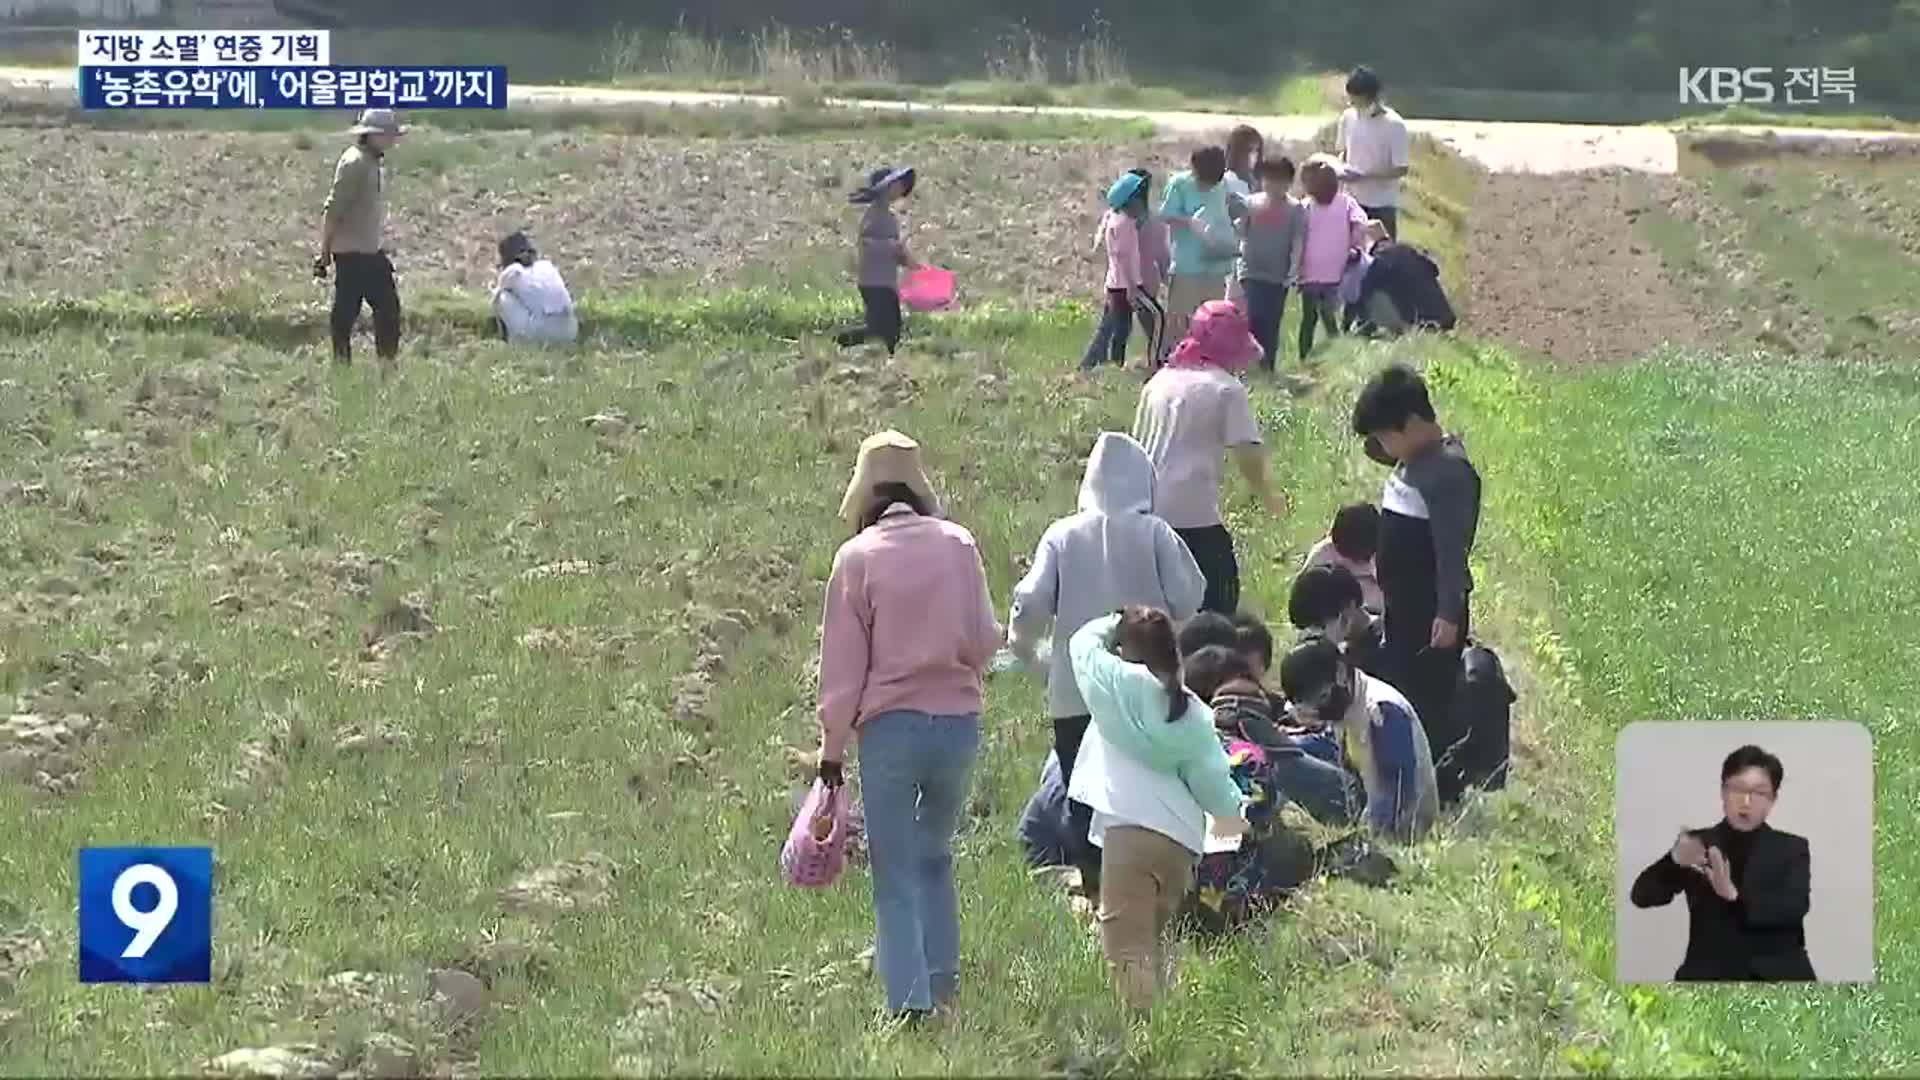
(1483, 706)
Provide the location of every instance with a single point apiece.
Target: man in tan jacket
(354, 223)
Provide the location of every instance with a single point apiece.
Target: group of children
(1229, 228)
(1177, 736)
(1226, 228)
(1173, 752)
(1247, 240)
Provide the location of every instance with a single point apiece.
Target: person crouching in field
(1336, 230)
(530, 299)
(1378, 730)
(354, 221)
(881, 255)
(1352, 542)
(1126, 284)
(1401, 291)
(1352, 313)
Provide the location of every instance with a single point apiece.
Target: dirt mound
(1735, 148)
(562, 887)
(1555, 266)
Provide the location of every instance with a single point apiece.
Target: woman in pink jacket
(905, 642)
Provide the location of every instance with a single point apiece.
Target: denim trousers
(915, 773)
(1266, 305)
(1328, 793)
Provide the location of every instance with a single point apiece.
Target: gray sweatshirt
(1272, 235)
(1111, 554)
(881, 252)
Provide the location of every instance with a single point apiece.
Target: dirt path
(1554, 266)
(1500, 147)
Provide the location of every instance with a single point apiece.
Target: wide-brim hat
(880, 179)
(378, 122)
(1124, 189)
(886, 457)
(1219, 336)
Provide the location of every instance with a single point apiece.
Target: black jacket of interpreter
(1759, 937)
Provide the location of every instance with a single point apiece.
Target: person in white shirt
(1246, 149)
(1375, 150)
(530, 299)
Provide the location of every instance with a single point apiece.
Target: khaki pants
(1185, 294)
(1143, 881)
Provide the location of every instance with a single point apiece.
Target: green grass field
(392, 643)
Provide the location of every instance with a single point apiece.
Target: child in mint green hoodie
(1153, 770)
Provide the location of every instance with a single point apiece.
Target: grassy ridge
(1783, 603)
(390, 862)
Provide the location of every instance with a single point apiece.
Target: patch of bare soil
(1555, 266)
(1012, 219)
(562, 887)
(1730, 148)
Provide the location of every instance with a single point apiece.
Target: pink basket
(928, 289)
(811, 860)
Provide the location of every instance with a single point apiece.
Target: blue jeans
(1109, 342)
(1321, 745)
(1327, 792)
(1266, 304)
(915, 772)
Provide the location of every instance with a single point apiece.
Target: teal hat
(1124, 189)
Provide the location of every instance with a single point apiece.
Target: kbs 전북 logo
(146, 914)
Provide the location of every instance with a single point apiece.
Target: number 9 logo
(147, 925)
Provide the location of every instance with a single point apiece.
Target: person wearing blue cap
(1127, 291)
(880, 258)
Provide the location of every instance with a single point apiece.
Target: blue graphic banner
(172, 87)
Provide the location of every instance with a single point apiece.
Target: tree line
(1585, 46)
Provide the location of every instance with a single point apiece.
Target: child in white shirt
(1351, 543)
(530, 299)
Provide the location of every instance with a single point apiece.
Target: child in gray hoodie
(1113, 553)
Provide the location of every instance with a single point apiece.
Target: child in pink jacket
(1132, 281)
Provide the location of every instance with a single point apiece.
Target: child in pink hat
(1192, 413)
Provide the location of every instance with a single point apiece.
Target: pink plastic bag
(816, 848)
(928, 289)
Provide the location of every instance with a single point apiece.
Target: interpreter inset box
(1745, 852)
